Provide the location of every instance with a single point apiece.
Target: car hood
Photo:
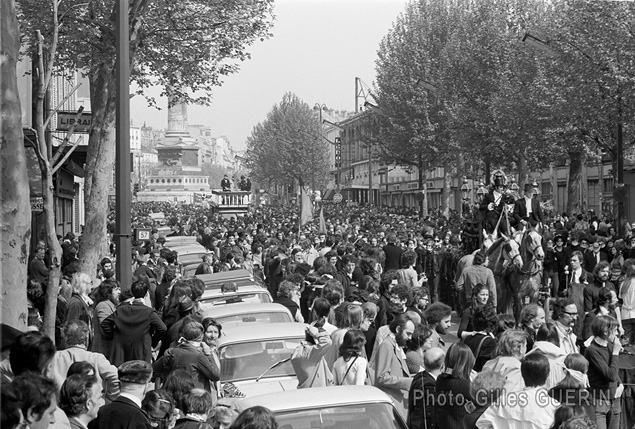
(267, 385)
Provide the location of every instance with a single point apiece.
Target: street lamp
(513, 186)
(465, 190)
(481, 191)
(465, 195)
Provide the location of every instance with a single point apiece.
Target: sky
(317, 50)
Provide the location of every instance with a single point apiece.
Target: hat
(559, 237)
(529, 187)
(185, 304)
(135, 371)
(9, 334)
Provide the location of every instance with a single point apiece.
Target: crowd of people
(376, 288)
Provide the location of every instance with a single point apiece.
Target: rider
(494, 203)
(528, 208)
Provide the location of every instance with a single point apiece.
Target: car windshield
(249, 360)
(239, 319)
(364, 416)
(234, 298)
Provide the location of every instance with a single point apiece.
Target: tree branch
(56, 109)
(69, 134)
(67, 155)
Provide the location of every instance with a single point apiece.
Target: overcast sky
(317, 49)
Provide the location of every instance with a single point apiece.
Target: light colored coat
(104, 371)
(391, 373)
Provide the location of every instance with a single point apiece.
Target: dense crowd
(377, 288)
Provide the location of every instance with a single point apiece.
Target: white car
(335, 407)
(257, 358)
(234, 315)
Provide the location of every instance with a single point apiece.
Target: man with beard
(601, 274)
(606, 303)
(565, 313)
(438, 316)
(391, 372)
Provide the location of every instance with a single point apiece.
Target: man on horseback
(495, 203)
(528, 209)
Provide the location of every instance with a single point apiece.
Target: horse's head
(512, 251)
(532, 242)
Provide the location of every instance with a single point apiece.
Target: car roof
(225, 277)
(262, 332)
(246, 308)
(317, 397)
(242, 289)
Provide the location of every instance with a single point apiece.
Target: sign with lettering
(66, 119)
(37, 204)
(142, 234)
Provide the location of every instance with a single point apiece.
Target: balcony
(231, 203)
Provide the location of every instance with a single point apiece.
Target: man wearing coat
(391, 371)
(527, 210)
(125, 412)
(308, 359)
(134, 328)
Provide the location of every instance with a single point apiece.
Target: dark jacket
(421, 401)
(192, 359)
(520, 211)
(121, 413)
(393, 257)
(134, 329)
(590, 260)
(450, 413)
(574, 397)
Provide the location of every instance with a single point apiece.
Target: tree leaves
(289, 146)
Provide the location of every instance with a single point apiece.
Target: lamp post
(319, 107)
(480, 192)
(465, 196)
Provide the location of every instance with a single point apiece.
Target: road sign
(337, 198)
(66, 119)
(37, 204)
(142, 234)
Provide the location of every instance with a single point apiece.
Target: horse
(526, 281)
(504, 258)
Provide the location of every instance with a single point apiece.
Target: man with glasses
(565, 313)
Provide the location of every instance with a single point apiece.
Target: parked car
(336, 407)
(237, 277)
(256, 358)
(241, 314)
(232, 294)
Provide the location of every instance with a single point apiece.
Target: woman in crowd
(511, 348)
(604, 381)
(480, 298)
(572, 390)
(454, 383)
(178, 383)
(79, 306)
(421, 340)
(255, 418)
(627, 295)
(482, 341)
(106, 297)
(350, 367)
(159, 407)
(225, 412)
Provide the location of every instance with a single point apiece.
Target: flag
(322, 223)
(306, 208)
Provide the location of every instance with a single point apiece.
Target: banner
(306, 208)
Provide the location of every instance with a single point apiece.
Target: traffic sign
(337, 198)
(142, 234)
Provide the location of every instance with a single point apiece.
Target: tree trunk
(446, 196)
(523, 170)
(99, 167)
(16, 207)
(574, 186)
(423, 173)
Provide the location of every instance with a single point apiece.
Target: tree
(16, 209)
(288, 146)
(186, 47)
